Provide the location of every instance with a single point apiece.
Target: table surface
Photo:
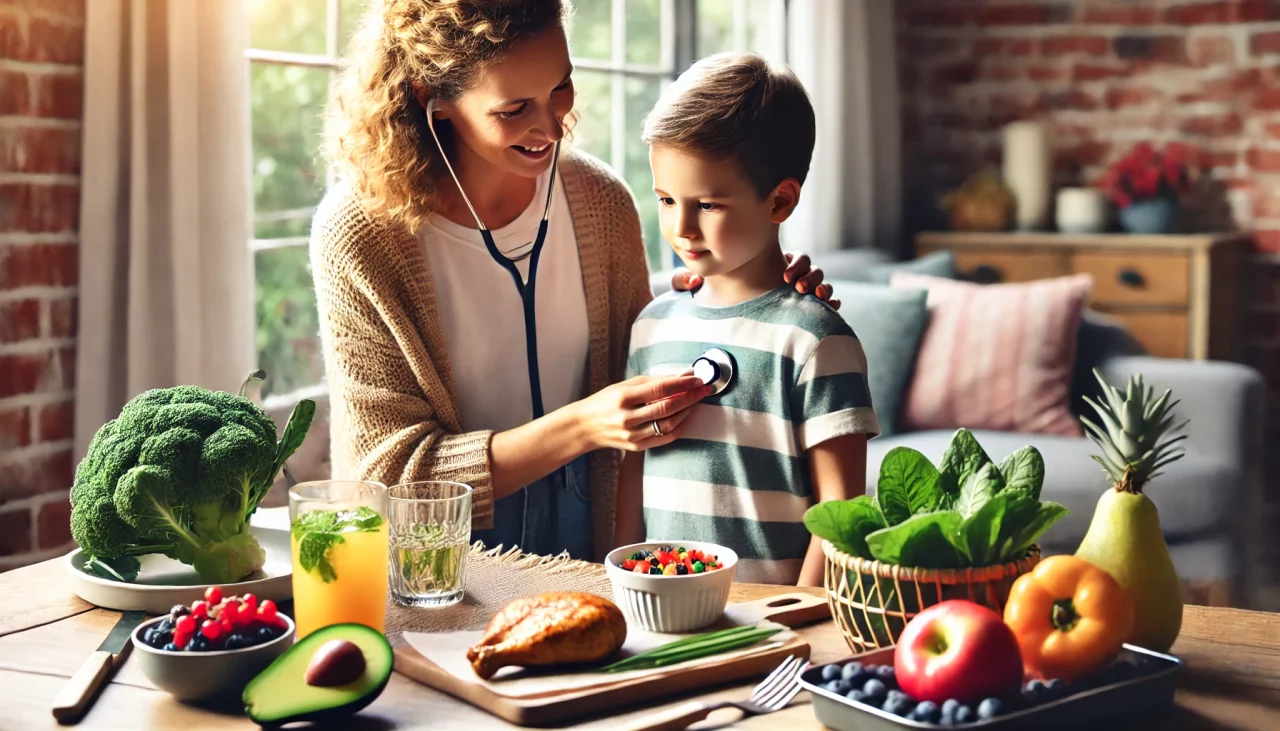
(1231, 678)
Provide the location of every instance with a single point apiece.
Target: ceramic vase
(1027, 172)
(1152, 216)
(1081, 211)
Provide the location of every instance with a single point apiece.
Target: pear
(1124, 538)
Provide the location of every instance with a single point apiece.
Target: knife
(79, 692)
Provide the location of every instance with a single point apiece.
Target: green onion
(691, 648)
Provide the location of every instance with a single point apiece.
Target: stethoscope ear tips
(714, 368)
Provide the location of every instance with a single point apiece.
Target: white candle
(1027, 171)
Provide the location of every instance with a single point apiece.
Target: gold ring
(656, 429)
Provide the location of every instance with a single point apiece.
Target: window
(625, 53)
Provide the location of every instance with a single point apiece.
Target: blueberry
(899, 705)
(990, 708)
(950, 705)
(927, 712)
(885, 673)
(830, 672)
(162, 638)
(965, 714)
(830, 685)
(171, 647)
(149, 636)
(264, 634)
(842, 686)
(179, 610)
(852, 671)
(199, 644)
(876, 690)
(166, 625)
(1033, 692)
(855, 695)
(237, 641)
(1054, 688)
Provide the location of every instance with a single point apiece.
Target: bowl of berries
(213, 648)
(671, 587)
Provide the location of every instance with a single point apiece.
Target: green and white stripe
(738, 475)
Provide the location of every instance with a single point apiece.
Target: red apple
(957, 649)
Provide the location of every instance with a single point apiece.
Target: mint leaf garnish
(360, 519)
(313, 551)
(316, 521)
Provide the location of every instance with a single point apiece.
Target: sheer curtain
(166, 278)
(845, 53)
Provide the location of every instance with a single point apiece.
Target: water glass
(430, 537)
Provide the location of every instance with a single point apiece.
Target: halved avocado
(280, 694)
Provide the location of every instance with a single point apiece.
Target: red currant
(211, 630)
(213, 594)
(250, 604)
(267, 609)
(230, 612)
(186, 625)
(200, 610)
(182, 638)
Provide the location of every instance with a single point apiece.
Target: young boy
(730, 144)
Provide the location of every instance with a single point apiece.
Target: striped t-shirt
(738, 476)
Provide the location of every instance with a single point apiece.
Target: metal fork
(772, 694)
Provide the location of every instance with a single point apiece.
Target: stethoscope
(713, 367)
(526, 289)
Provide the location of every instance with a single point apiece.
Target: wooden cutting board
(791, 610)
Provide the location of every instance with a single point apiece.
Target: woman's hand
(798, 270)
(621, 416)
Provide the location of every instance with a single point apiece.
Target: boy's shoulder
(667, 304)
(808, 313)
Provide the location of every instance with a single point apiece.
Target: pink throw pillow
(996, 356)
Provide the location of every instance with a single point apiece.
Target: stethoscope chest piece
(714, 368)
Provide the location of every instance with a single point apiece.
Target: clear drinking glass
(339, 535)
(430, 536)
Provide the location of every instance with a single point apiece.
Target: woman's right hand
(621, 416)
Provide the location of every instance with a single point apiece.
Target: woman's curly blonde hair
(376, 134)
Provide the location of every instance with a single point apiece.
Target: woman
(445, 134)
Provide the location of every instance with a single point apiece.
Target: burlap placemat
(495, 577)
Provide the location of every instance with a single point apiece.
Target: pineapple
(1125, 537)
(1132, 435)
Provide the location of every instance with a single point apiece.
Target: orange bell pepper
(1070, 618)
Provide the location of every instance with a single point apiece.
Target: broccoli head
(179, 472)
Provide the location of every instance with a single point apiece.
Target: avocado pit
(336, 662)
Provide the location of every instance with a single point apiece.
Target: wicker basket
(873, 601)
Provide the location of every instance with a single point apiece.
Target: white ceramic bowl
(671, 603)
(206, 676)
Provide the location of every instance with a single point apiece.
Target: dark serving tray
(1149, 691)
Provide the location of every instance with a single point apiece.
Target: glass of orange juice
(339, 536)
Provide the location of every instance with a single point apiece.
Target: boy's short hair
(738, 106)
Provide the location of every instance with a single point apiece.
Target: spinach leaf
(907, 470)
(928, 540)
(845, 523)
(1028, 530)
(121, 568)
(1023, 471)
(978, 489)
(891, 498)
(963, 458)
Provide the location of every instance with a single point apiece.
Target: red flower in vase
(1144, 174)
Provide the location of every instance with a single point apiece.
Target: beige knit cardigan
(394, 410)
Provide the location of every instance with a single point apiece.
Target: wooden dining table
(1230, 678)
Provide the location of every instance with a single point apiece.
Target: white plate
(164, 582)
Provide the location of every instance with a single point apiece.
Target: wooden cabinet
(1179, 295)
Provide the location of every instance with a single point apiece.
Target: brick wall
(1107, 75)
(41, 63)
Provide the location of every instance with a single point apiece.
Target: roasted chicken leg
(557, 628)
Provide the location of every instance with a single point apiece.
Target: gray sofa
(1210, 502)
